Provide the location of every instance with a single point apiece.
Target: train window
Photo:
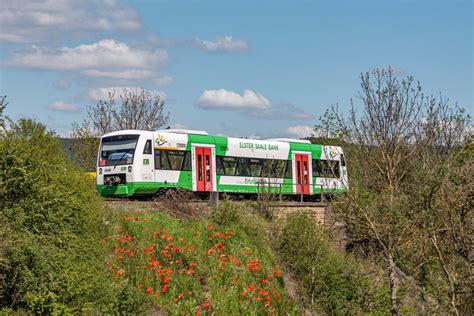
(288, 170)
(229, 164)
(243, 167)
(118, 150)
(219, 166)
(187, 161)
(176, 159)
(326, 169)
(255, 166)
(161, 160)
(172, 160)
(343, 161)
(273, 168)
(147, 148)
(279, 168)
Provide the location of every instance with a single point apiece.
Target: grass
(199, 265)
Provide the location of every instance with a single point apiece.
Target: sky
(238, 68)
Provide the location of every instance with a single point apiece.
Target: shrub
(50, 227)
(329, 282)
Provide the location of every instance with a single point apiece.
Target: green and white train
(140, 163)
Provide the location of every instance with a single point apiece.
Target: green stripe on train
(138, 188)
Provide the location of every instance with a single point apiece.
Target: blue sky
(265, 68)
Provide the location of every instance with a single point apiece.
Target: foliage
(329, 130)
(50, 227)
(402, 151)
(84, 144)
(3, 105)
(330, 282)
(193, 266)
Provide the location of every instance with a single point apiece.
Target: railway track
(286, 204)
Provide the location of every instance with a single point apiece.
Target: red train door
(204, 169)
(302, 174)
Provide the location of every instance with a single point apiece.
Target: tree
(138, 109)
(398, 130)
(51, 259)
(3, 105)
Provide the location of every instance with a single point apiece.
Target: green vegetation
(330, 282)
(50, 224)
(198, 265)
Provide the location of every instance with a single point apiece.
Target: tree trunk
(393, 286)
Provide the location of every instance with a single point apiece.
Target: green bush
(51, 259)
(329, 282)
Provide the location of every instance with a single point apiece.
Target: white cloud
(103, 93)
(61, 106)
(134, 74)
(62, 84)
(226, 44)
(224, 99)
(105, 55)
(300, 131)
(163, 80)
(32, 21)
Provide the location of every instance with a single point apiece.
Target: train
(134, 163)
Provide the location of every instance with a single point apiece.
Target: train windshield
(118, 150)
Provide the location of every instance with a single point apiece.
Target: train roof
(204, 133)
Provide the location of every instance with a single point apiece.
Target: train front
(115, 163)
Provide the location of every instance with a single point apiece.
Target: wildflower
(119, 271)
(205, 305)
(244, 293)
(180, 295)
(265, 281)
(190, 293)
(210, 251)
(165, 231)
(149, 290)
(190, 271)
(156, 295)
(192, 264)
(165, 288)
(251, 287)
(197, 307)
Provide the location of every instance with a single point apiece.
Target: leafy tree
(399, 132)
(50, 227)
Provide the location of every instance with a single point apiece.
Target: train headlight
(100, 170)
(130, 169)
